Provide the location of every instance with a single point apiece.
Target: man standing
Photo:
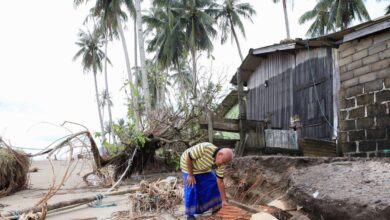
(204, 189)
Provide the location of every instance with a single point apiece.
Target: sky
(41, 87)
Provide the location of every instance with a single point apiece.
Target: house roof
(227, 103)
(254, 56)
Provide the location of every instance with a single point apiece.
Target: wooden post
(239, 151)
(210, 125)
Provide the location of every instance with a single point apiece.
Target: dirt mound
(344, 190)
(326, 188)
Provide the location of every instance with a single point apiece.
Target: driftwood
(79, 201)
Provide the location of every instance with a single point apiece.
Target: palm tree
(182, 77)
(111, 16)
(91, 59)
(198, 23)
(332, 14)
(285, 17)
(141, 49)
(228, 16)
(167, 36)
(321, 24)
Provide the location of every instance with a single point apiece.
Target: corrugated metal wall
(290, 91)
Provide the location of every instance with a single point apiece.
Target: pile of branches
(13, 170)
(163, 195)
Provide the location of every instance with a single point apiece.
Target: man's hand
(225, 203)
(191, 180)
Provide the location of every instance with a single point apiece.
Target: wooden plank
(242, 115)
(222, 125)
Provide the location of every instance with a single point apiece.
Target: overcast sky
(40, 83)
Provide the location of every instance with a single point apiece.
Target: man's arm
(190, 179)
(221, 188)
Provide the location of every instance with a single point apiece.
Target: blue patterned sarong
(203, 196)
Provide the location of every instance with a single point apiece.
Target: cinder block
(365, 123)
(365, 99)
(385, 54)
(343, 114)
(368, 77)
(348, 147)
(380, 65)
(374, 134)
(345, 46)
(387, 81)
(350, 83)
(371, 59)
(347, 103)
(381, 37)
(353, 91)
(376, 110)
(363, 43)
(343, 69)
(343, 136)
(373, 85)
(383, 96)
(354, 65)
(384, 73)
(359, 55)
(347, 60)
(362, 70)
(382, 145)
(376, 48)
(347, 52)
(365, 146)
(382, 122)
(347, 125)
(357, 113)
(346, 76)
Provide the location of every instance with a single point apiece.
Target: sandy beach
(73, 188)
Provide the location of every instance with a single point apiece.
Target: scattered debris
(156, 196)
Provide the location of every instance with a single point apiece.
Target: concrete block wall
(364, 117)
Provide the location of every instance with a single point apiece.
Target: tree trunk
(193, 55)
(136, 102)
(145, 83)
(236, 39)
(107, 90)
(286, 19)
(158, 100)
(128, 67)
(97, 101)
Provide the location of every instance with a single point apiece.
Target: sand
(73, 188)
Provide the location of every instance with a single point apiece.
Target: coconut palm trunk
(193, 55)
(106, 84)
(145, 84)
(134, 101)
(236, 39)
(286, 19)
(98, 106)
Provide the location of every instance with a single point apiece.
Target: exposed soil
(326, 188)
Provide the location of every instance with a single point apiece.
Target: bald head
(224, 156)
